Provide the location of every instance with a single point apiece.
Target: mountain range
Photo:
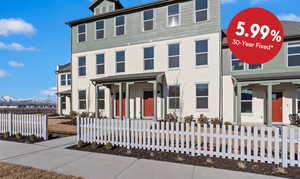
(8, 100)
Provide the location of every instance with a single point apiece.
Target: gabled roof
(64, 68)
(95, 3)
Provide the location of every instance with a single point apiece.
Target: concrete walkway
(52, 156)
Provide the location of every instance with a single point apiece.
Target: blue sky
(34, 38)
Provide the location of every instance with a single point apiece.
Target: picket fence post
(284, 147)
(45, 126)
(10, 124)
(78, 128)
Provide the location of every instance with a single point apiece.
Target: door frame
(143, 105)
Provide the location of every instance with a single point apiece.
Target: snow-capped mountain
(8, 100)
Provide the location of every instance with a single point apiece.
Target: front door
(118, 104)
(277, 107)
(148, 104)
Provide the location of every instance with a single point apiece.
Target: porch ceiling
(130, 78)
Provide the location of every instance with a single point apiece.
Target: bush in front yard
(32, 138)
(80, 144)
(108, 146)
(188, 119)
(6, 134)
(203, 119)
(18, 136)
(171, 117)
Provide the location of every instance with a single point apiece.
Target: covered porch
(266, 99)
(64, 102)
(131, 96)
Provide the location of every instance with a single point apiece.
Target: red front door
(118, 104)
(277, 107)
(148, 104)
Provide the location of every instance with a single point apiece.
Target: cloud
(228, 1)
(4, 74)
(16, 46)
(15, 26)
(49, 92)
(289, 17)
(15, 64)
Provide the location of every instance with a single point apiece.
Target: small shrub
(216, 122)
(6, 135)
(80, 144)
(93, 115)
(203, 119)
(242, 165)
(84, 115)
(152, 154)
(18, 136)
(227, 123)
(189, 119)
(73, 115)
(171, 117)
(108, 146)
(128, 152)
(279, 170)
(94, 145)
(210, 161)
(32, 138)
(295, 119)
(179, 159)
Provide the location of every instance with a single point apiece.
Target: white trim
(116, 63)
(100, 64)
(208, 14)
(201, 53)
(96, 30)
(78, 67)
(297, 100)
(115, 26)
(86, 105)
(295, 44)
(245, 65)
(179, 15)
(179, 97)
(85, 32)
(247, 113)
(174, 55)
(208, 96)
(147, 59)
(153, 19)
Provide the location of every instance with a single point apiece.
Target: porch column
(269, 106)
(120, 102)
(96, 102)
(238, 105)
(127, 101)
(110, 102)
(155, 100)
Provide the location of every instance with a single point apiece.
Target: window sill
(201, 66)
(202, 110)
(173, 69)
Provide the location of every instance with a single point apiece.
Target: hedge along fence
(250, 143)
(25, 124)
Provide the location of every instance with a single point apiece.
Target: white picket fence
(25, 124)
(257, 144)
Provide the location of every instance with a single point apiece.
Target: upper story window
(100, 29)
(148, 17)
(294, 54)
(120, 25)
(81, 66)
(174, 97)
(149, 58)
(201, 52)
(81, 32)
(246, 100)
(298, 100)
(239, 65)
(174, 55)
(120, 61)
(69, 79)
(63, 102)
(63, 81)
(173, 15)
(82, 99)
(202, 96)
(101, 98)
(100, 58)
(201, 10)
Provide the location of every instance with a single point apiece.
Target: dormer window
(81, 33)
(120, 25)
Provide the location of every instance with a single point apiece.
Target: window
(69, 79)
(174, 55)
(173, 15)
(63, 102)
(202, 52)
(246, 100)
(149, 58)
(82, 99)
(63, 80)
(100, 64)
(174, 97)
(120, 25)
(201, 10)
(298, 100)
(104, 9)
(202, 96)
(101, 99)
(239, 65)
(81, 33)
(294, 54)
(148, 20)
(100, 30)
(81, 66)
(120, 61)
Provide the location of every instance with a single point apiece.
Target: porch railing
(256, 144)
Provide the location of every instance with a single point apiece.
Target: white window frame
(120, 61)
(175, 85)
(96, 30)
(148, 59)
(201, 53)
(153, 19)
(294, 44)
(101, 99)
(61, 80)
(69, 79)
(85, 33)
(116, 26)
(174, 55)
(202, 83)
(65, 103)
(179, 15)
(247, 101)
(297, 100)
(195, 14)
(81, 67)
(245, 65)
(85, 100)
(102, 64)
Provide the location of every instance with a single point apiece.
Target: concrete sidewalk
(52, 156)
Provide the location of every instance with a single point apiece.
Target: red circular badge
(255, 36)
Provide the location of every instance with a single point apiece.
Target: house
(263, 94)
(171, 56)
(147, 61)
(64, 82)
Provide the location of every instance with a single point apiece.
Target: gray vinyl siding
(278, 65)
(134, 32)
